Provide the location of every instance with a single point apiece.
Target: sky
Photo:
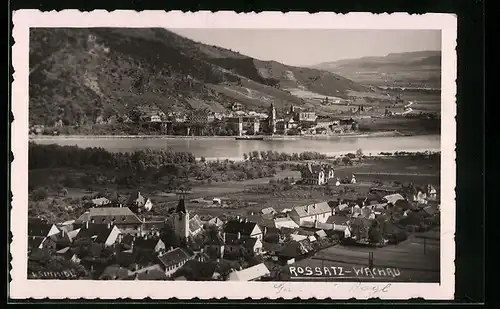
(306, 47)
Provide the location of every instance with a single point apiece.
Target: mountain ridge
(77, 75)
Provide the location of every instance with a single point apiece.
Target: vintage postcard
(223, 155)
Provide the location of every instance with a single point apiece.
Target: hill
(422, 68)
(77, 75)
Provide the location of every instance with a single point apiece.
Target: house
(393, 198)
(314, 212)
(321, 234)
(285, 222)
(338, 220)
(41, 242)
(268, 211)
(149, 273)
(295, 250)
(316, 174)
(342, 230)
(215, 247)
(307, 117)
(195, 226)
(152, 227)
(68, 255)
(243, 228)
(271, 248)
(431, 193)
(253, 273)
(420, 197)
(136, 200)
(105, 234)
(115, 272)
(148, 205)
(149, 244)
(195, 270)
(62, 239)
(174, 259)
(216, 222)
(40, 228)
(101, 201)
(122, 217)
(235, 245)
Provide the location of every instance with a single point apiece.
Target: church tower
(181, 220)
(272, 119)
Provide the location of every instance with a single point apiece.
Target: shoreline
(266, 137)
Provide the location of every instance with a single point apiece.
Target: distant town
(149, 119)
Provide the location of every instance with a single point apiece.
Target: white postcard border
(22, 288)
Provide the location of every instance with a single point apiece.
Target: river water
(228, 148)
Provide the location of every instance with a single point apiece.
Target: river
(229, 148)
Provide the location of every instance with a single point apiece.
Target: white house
(148, 205)
(250, 274)
(314, 212)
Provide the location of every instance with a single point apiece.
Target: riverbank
(177, 137)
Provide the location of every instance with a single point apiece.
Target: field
(244, 197)
(415, 264)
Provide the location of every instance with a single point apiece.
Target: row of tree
(283, 156)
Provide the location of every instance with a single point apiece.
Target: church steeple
(181, 220)
(181, 206)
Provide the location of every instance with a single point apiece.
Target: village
(112, 240)
(235, 121)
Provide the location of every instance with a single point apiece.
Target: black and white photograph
(194, 152)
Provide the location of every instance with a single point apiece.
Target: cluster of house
(242, 122)
(277, 236)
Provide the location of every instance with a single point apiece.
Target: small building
(316, 174)
(314, 212)
(285, 222)
(246, 247)
(101, 201)
(41, 242)
(195, 226)
(393, 198)
(307, 117)
(174, 259)
(268, 211)
(243, 228)
(148, 244)
(216, 222)
(105, 234)
(253, 273)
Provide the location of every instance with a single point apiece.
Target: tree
(245, 157)
(359, 152)
(40, 194)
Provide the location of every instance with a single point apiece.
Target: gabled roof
(115, 215)
(336, 219)
(195, 270)
(175, 256)
(249, 274)
(35, 241)
(271, 247)
(100, 201)
(153, 272)
(114, 272)
(195, 224)
(261, 220)
(216, 221)
(136, 199)
(285, 222)
(393, 198)
(243, 227)
(147, 244)
(98, 232)
(313, 209)
(39, 228)
(244, 242)
(268, 210)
